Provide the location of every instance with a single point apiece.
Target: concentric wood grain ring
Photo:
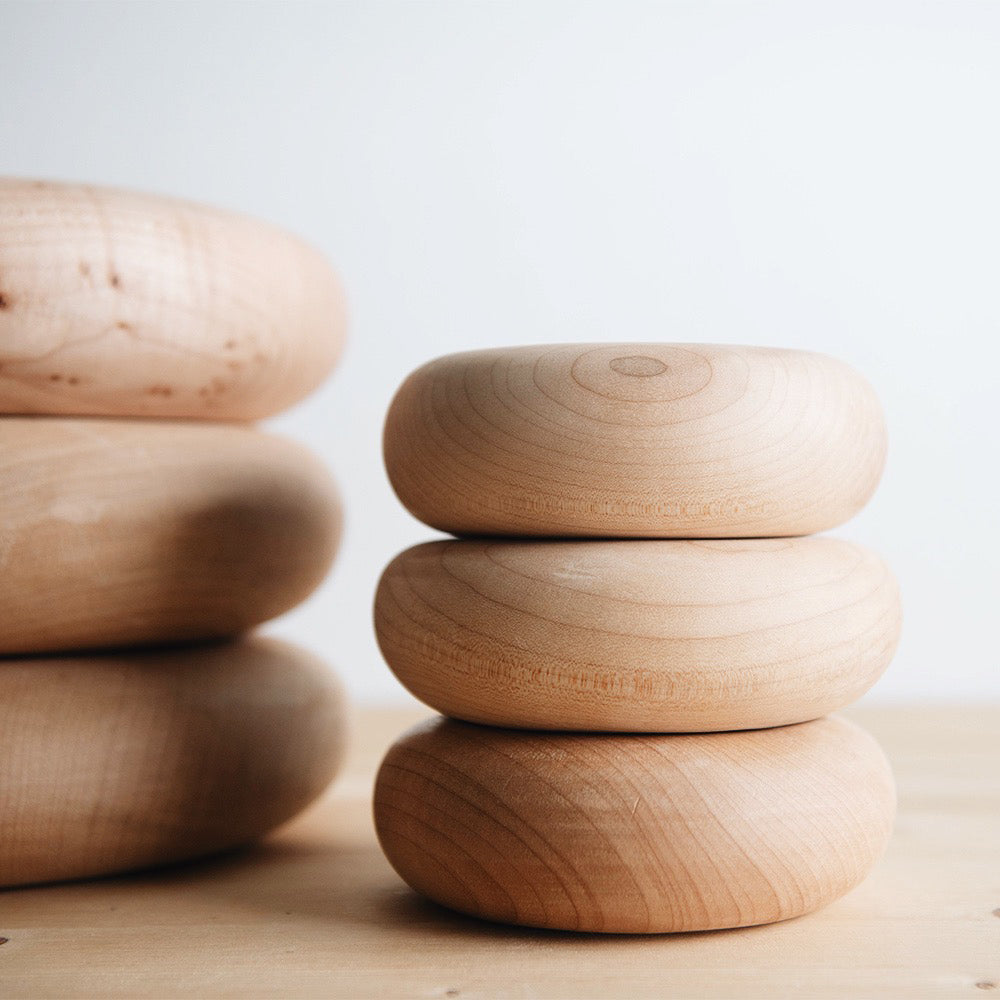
(117, 532)
(640, 440)
(637, 636)
(634, 833)
(121, 304)
(115, 762)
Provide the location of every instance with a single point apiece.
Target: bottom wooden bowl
(116, 762)
(638, 833)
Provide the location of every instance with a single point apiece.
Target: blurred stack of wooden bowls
(636, 642)
(146, 527)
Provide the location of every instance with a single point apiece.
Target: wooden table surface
(317, 911)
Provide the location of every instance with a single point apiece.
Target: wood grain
(114, 303)
(634, 834)
(316, 911)
(635, 440)
(117, 532)
(651, 635)
(109, 763)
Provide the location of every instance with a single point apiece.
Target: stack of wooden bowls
(145, 527)
(638, 606)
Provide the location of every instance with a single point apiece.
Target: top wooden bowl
(635, 440)
(121, 304)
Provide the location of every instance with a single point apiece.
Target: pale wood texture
(634, 833)
(114, 762)
(641, 440)
(316, 911)
(117, 532)
(114, 303)
(651, 635)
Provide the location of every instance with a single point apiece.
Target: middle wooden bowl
(638, 636)
(119, 532)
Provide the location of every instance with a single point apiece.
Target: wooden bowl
(110, 763)
(121, 304)
(634, 834)
(635, 440)
(118, 532)
(637, 636)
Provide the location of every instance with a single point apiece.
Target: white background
(815, 175)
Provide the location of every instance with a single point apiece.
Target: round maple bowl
(634, 834)
(115, 762)
(635, 440)
(124, 532)
(114, 303)
(638, 636)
